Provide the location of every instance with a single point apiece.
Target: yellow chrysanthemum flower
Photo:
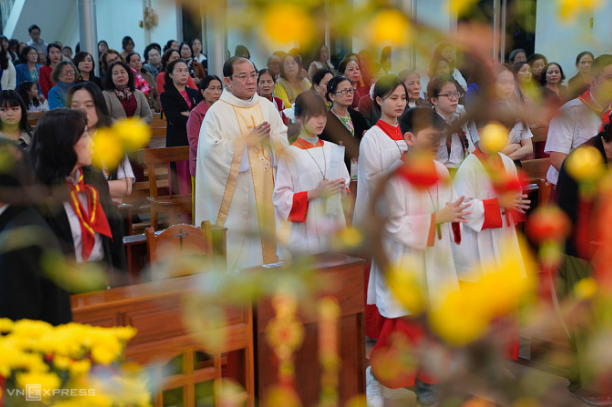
(108, 149)
(287, 23)
(6, 325)
(134, 133)
(47, 381)
(585, 164)
(493, 138)
(80, 367)
(389, 26)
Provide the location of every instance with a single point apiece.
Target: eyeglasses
(451, 96)
(111, 60)
(244, 77)
(70, 72)
(347, 91)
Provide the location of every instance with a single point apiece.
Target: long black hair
(108, 78)
(51, 151)
(319, 75)
(10, 98)
(24, 89)
(104, 118)
(3, 57)
(80, 57)
(49, 46)
(168, 83)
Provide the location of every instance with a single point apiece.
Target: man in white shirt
(36, 41)
(580, 119)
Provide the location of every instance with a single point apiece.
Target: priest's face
(243, 82)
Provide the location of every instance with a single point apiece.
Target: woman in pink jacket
(210, 90)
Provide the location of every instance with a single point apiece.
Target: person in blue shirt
(28, 70)
(64, 75)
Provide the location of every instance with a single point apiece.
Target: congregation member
(210, 90)
(177, 102)
(537, 62)
(102, 48)
(241, 139)
(321, 61)
(14, 125)
(444, 97)
(344, 125)
(87, 68)
(581, 118)
(445, 52)
(64, 75)
(291, 82)
(170, 55)
(310, 182)
(418, 229)
(127, 43)
(551, 81)
(67, 53)
(26, 291)
(517, 55)
(121, 96)
(505, 103)
(320, 79)
(35, 42)
(412, 80)
(133, 60)
(349, 69)
(265, 89)
(29, 93)
(196, 46)
(61, 156)
(171, 44)
(28, 69)
(527, 89)
(491, 223)
(54, 55)
(153, 58)
(196, 70)
(111, 56)
(273, 64)
(88, 98)
(577, 265)
(9, 75)
(580, 82)
(382, 145)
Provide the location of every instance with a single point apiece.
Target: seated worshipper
(85, 64)
(344, 124)
(121, 96)
(444, 96)
(79, 209)
(88, 98)
(241, 138)
(265, 88)
(29, 93)
(134, 61)
(491, 225)
(177, 102)
(54, 55)
(64, 75)
(421, 226)
(310, 182)
(27, 290)
(291, 83)
(14, 125)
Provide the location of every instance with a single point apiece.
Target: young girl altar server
(311, 179)
(422, 222)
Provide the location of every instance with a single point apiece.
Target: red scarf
(393, 132)
(93, 220)
(604, 115)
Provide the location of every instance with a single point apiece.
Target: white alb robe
(309, 224)
(406, 235)
(234, 184)
(478, 244)
(377, 152)
(457, 151)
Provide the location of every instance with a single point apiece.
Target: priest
(240, 141)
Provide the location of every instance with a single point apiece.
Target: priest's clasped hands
(259, 135)
(453, 212)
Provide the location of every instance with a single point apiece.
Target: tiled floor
(557, 394)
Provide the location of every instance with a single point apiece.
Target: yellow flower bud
(493, 138)
(585, 164)
(134, 133)
(406, 288)
(389, 26)
(287, 23)
(108, 149)
(47, 381)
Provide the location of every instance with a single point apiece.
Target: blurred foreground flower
(133, 132)
(420, 171)
(569, 10)
(548, 223)
(346, 239)
(493, 138)
(111, 144)
(406, 287)
(585, 164)
(389, 26)
(287, 23)
(461, 7)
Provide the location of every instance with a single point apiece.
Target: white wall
(563, 42)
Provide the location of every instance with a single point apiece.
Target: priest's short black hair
(420, 118)
(228, 66)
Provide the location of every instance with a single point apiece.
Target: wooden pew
(156, 311)
(535, 171)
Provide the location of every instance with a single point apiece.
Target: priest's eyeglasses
(347, 91)
(244, 77)
(451, 96)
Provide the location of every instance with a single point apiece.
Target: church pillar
(216, 36)
(88, 31)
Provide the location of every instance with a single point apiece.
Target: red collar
(305, 145)
(393, 132)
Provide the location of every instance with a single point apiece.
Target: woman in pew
(177, 101)
(122, 97)
(14, 123)
(79, 208)
(87, 97)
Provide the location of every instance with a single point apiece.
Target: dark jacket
(114, 253)
(335, 132)
(568, 199)
(25, 290)
(173, 103)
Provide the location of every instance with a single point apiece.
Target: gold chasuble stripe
(260, 160)
(232, 181)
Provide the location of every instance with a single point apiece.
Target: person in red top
(349, 68)
(265, 88)
(54, 55)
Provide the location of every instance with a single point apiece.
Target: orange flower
(420, 171)
(548, 223)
